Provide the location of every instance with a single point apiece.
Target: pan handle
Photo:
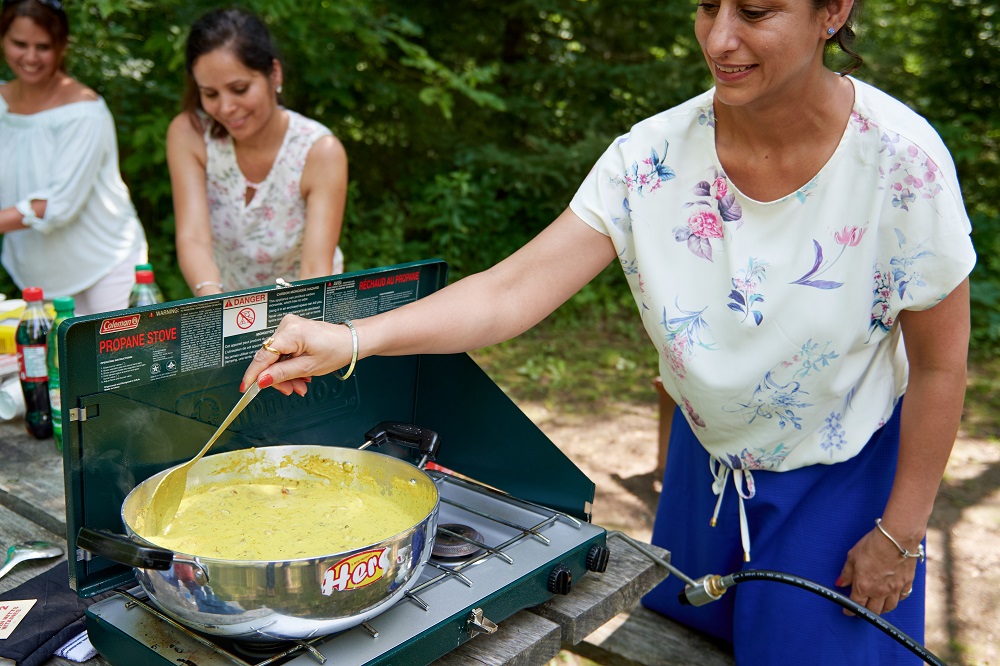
(121, 549)
(405, 434)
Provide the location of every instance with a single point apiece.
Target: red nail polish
(241, 387)
(264, 381)
(839, 582)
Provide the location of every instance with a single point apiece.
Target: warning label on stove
(303, 301)
(160, 344)
(242, 318)
(136, 350)
(368, 296)
(244, 314)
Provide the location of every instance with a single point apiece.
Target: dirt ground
(618, 452)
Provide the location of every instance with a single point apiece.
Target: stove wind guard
(144, 388)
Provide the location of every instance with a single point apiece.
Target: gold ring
(268, 347)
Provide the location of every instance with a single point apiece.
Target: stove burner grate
(259, 651)
(454, 541)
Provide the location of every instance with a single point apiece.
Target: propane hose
(711, 587)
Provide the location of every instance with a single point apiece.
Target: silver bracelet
(209, 283)
(354, 351)
(904, 553)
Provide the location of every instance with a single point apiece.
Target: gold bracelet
(904, 553)
(208, 283)
(354, 351)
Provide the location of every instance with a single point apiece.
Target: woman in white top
(259, 190)
(781, 234)
(69, 225)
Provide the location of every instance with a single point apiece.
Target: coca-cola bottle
(31, 338)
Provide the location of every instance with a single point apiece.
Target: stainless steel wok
(259, 601)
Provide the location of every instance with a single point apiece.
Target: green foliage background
(470, 124)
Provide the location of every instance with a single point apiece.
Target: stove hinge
(480, 624)
(82, 413)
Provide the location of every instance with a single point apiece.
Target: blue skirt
(801, 522)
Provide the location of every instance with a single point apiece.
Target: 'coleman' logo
(119, 324)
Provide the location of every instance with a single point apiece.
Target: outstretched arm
(482, 309)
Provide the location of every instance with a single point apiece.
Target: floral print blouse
(256, 242)
(774, 321)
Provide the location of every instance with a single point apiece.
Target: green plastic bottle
(155, 286)
(64, 310)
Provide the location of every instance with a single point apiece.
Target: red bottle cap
(32, 293)
(144, 277)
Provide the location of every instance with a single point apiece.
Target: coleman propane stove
(144, 388)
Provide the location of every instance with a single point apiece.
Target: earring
(278, 89)
(829, 31)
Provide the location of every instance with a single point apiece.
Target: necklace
(252, 185)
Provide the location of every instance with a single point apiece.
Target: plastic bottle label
(33, 363)
(55, 402)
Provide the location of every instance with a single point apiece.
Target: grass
(981, 418)
(575, 366)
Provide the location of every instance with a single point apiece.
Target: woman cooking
(258, 189)
(782, 234)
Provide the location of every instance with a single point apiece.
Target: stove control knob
(560, 580)
(597, 559)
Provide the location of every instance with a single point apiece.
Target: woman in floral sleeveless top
(258, 189)
(782, 235)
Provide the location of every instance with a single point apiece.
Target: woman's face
(239, 98)
(30, 52)
(761, 50)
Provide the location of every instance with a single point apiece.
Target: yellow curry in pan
(334, 507)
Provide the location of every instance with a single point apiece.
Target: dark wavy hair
(238, 30)
(845, 36)
(49, 15)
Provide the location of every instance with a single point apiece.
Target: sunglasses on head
(51, 4)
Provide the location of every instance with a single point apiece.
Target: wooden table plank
(644, 638)
(599, 597)
(524, 639)
(31, 477)
(15, 528)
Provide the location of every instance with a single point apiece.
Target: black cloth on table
(56, 617)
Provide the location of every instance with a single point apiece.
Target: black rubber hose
(851, 605)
